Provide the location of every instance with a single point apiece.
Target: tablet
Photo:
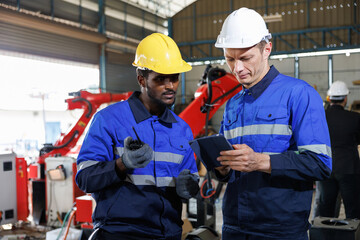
(208, 148)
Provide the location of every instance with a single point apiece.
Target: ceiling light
(319, 53)
(273, 18)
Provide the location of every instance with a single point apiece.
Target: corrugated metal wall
(61, 9)
(118, 67)
(121, 78)
(84, 16)
(203, 20)
(35, 42)
(123, 26)
(120, 74)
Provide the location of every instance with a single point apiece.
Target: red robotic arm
(217, 87)
(81, 100)
(208, 98)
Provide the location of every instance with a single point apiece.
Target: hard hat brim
(184, 67)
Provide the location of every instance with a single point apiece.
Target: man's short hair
(261, 45)
(144, 72)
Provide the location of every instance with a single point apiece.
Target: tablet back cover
(208, 148)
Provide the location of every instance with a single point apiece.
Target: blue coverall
(145, 203)
(283, 117)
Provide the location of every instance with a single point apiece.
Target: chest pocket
(179, 146)
(230, 118)
(270, 114)
(272, 132)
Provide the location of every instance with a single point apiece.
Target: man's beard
(158, 101)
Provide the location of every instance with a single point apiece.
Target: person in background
(135, 159)
(281, 141)
(344, 128)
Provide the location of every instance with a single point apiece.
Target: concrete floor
(22, 229)
(219, 220)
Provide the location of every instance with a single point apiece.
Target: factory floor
(219, 220)
(23, 231)
(28, 231)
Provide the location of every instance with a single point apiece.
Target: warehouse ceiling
(122, 10)
(126, 20)
(162, 8)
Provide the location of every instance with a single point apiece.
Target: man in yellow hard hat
(135, 159)
(281, 142)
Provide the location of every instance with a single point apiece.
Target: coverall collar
(260, 87)
(141, 113)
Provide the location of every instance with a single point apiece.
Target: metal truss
(345, 37)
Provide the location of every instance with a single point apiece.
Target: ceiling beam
(35, 22)
(120, 15)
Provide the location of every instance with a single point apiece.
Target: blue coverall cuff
(222, 178)
(120, 174)
(277, 164)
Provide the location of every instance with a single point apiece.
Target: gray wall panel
(25, 40)
(121, 78)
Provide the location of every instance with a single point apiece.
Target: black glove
(187, 184)
(136, 157)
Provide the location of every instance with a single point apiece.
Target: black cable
(225, 94)
(88, 103)
(208, 73)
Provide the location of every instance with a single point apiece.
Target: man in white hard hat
(280, 137)
(344, 128)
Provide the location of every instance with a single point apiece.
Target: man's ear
(267, 49)
(141, 80)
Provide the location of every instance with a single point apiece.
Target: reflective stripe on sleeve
(168, 157)
(160, 156)
(165, 181)
(119, 151)
(316, 148)
(150, 180)
(270, 153)
(265, 129)
(86, 164)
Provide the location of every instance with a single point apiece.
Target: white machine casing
(8, 198)
(60, 188)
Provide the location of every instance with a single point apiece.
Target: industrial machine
(54, 173)
(335, 228)
(60, 184)
(62, 147)
(8, 208)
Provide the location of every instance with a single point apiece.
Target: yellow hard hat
(160, 53)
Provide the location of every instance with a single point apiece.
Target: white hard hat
(243, 28)
(338, 90)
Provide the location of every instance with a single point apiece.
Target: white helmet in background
(243, 28)
(338, 90)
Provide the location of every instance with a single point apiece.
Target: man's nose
(169, 83)
(239, 66)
